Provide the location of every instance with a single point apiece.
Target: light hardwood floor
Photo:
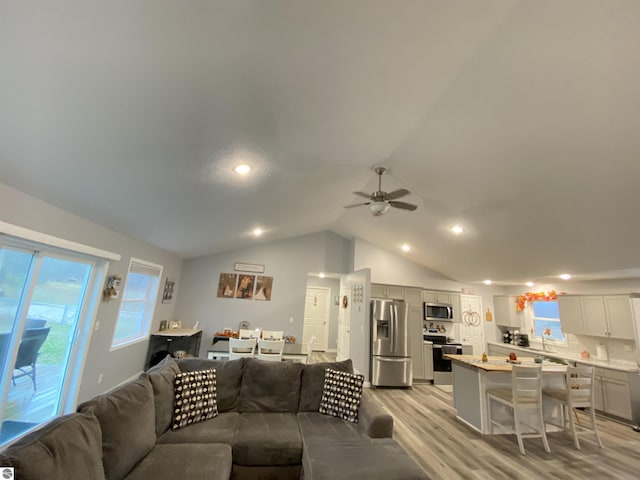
(425, 425)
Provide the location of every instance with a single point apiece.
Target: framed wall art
(263, 288)
(227, 285)
(245, 286)
(169, 289)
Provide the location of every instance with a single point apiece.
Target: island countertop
(502, 364)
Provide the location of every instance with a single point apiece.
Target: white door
(316, 318)
(344, 326)
(471, 324)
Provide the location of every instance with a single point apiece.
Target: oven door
(442, 366)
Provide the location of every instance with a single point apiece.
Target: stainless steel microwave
(438, 311)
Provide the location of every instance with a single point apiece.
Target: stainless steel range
(441, 366)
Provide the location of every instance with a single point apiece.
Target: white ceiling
(517, 119)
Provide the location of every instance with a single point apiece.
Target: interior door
(316, 318)
(344, 327)
(471, 324)
(41, 299)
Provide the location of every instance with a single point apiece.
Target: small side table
(170, 341)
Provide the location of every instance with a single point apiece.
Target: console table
(220, 349)
(170, 341)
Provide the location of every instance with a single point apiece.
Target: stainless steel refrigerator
(390, 347)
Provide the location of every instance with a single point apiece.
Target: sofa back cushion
(228, 379)
(162, 377)
(127, 419)
(270, 386)
(67, 448)
(313, 383)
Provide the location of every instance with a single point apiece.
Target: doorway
(316, 318)
(471, 325)
(43, 306)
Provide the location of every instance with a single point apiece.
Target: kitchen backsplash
(623, 351)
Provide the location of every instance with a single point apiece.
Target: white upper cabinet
(413, 296)
(505, 313)
(379, 290)
(597, 315)
(436, 296)
(457, 307)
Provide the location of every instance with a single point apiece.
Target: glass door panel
(40, 337)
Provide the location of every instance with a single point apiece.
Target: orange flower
(547, 331)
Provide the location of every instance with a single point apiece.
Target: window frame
(539, 338)
(149, 301)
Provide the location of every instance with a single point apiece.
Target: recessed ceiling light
(321, 275)
(406, 247)
(457, 229)
(487, 282)
(242, 169)
(530, 284)
(565, 276)
(258, 231)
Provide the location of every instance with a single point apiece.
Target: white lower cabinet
(427, 358)
(415, 332)
(612, 393)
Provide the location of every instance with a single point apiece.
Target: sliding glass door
(42, 310)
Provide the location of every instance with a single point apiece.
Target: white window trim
(146, 328)
(530, 327)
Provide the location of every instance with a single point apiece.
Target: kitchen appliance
(507, 337)
(438, 311)
(442, 370)
(390, 347)
(522, 340)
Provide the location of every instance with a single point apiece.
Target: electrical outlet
(100, 378)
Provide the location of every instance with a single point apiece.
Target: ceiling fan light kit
(380, 201)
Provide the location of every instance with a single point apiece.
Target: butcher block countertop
(501, 363)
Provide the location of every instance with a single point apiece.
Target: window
(547, 316)
(138, 302)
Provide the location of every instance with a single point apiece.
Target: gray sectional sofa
(268, 428)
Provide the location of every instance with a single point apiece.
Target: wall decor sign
(227, 285)
(248, 267)
(245, 286)
(169, 288)
(263, 288)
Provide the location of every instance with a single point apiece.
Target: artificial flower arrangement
(534, 297)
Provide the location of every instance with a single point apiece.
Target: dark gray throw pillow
(341, 394)
(195, 398)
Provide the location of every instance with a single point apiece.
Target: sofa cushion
(187, 461)
(228, 379)
(221, 429)
(341, 395)
(127, 419)
(267, 439)
(162, 380)
(334, 449)
(67, 448)
(194, 398)
(270, 386)
(312, 383)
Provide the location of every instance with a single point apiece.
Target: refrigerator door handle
(392, 327)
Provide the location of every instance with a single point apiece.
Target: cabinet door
(415, 332)
(570, 309)
(427, 353)
(457, 306)
(505, 312)
(378, 291)
(619, 316)
(430, 296)
(498, 351)
(617, 398)
(395, 292)
(598, 393)
(444, 297)
(593, 316)
(413, 296)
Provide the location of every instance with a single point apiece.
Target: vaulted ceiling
(516, 119)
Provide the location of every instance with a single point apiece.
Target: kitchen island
(472, 377)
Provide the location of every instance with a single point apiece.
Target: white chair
(241, 347)
(273, 334)
(255, 333)
(270, 350)
(577, 394)
(524, 395)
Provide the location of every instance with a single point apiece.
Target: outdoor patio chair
(32, 340)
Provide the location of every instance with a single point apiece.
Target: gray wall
(334, 285)
(117, 366)
(287, 261)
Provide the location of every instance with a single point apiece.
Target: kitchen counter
(472, 378)
(620, 366)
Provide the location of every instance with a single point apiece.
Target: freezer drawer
(391, 372)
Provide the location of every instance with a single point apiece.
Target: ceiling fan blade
(357, 205)
(403, 205)
(401, 192)
(362, 194)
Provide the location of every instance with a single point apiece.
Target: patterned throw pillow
(341, 394)
(195, 398)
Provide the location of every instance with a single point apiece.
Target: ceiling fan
(379, 202)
